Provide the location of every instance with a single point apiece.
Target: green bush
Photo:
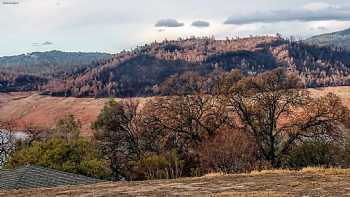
(343, 154)
(95, 168)
(67, 128)
(75, 156)
(313, 153)
(163, 166)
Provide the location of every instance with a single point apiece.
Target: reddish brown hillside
(139, 72)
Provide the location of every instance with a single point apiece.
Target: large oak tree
(278, 112)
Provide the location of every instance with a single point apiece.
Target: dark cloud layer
(200, 24)
(169, 23)
(330, 13)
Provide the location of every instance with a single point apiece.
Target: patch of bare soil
(267, 184)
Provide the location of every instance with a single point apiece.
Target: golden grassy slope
(44, 111)
(308, 182)
(343, 92)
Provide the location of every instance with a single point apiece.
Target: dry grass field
(308, 182)
(45, 111)
(26, 108)
(343, 92)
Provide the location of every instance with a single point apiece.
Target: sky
(115, 25)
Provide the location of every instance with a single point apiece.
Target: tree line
(264, 121)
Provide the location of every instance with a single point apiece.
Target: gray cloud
(169, 23)
(10, 2)
(305, 15)
(319, 28)
(47, 43)
(200, 24)
(322, 28)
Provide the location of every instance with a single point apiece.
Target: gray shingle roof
(36, 177)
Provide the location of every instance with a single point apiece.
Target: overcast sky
(114, 25)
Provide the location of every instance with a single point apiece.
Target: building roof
(37, 177)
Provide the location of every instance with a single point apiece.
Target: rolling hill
(335, 39)
(141, 71)
(146, 69)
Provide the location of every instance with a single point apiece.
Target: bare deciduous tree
(277, 111)
(116, 136)
(7, 140)
(187, 120)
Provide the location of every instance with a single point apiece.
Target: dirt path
(289, 184)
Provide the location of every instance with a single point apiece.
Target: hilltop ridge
(142, 71)
(146, 70)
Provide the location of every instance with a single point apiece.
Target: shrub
(313, 153)
(229, 152)
(67, 128)
(162, 166)
(95, 168)
(342, 153)
(75, 156)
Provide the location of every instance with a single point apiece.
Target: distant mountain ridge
(28, 72)
(334, 39)
(50, 62)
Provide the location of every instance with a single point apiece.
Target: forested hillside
(12, 82)
(154, 68)
(145, 70)
(31, 71)
(49, 63)
(334, 39)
